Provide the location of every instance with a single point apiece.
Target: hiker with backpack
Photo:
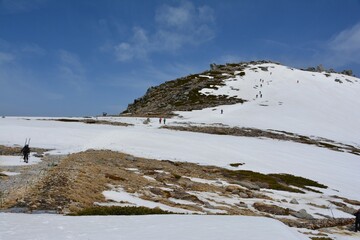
(26, 150)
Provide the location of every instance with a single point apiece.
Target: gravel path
(13, 187)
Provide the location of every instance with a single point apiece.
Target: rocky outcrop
(318, 223)
(320, 68)
(183, 94)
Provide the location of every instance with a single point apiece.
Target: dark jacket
(357, 214)
(25, 150)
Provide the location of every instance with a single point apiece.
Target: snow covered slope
(43, 227)
(282, 98)
(261, 155)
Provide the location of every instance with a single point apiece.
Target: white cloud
(70, 59)
(71, 69)
(345, 46)
(347, 40)
(179, 17)
(6, 57)
(176, 27)
(33, 49)
(18, 6)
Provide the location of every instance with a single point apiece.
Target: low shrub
(117, 210)
(281, 182)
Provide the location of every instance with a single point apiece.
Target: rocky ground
(67, 184)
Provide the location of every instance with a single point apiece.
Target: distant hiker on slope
(160, 120)
(26, 151)
(357, 220)
(164, 120)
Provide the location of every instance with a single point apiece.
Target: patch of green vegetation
(117, 210)
(176, 176)
(272, 182)
(282, 182)
(321, 238)
(67, 120)
(236, 164)
(298, 181)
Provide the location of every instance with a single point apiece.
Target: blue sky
(85, 57)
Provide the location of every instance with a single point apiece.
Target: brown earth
(67, 184)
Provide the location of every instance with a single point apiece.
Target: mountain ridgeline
(184, 94)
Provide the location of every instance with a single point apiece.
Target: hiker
(221, 111)
(160, 120)
(164, 120)
(357, 220)
(25, 151)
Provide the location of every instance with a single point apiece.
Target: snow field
(160, 227)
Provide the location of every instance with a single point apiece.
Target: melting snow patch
(17, 161)
(121, 196)
(206, 76)
(132, 169)
(10, 173)
(150, 178)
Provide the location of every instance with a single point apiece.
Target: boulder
(233, 189)
(272, 209)
(294, 201)
(241, 204)
(130, 158)
(243, 195)
(249, 185)
(302, 214)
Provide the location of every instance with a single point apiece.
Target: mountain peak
(228, 84)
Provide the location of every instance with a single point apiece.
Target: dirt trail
(14, 187)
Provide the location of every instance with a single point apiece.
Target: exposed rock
(183, 94)
(353, 202)
(347, 72)
(233, 189)
(180, 194)
(160, 192)
(130, 158)
(161, 177)
(348, 210)
(186, 183)
(320, 68)
(208, 205)
(213, 66)
(249, 185)
(262, 184)
(294, 201)
(302, 214)
(318, 223)
(243, 195)
(114, 177)
(241, 204)
(271, 209)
